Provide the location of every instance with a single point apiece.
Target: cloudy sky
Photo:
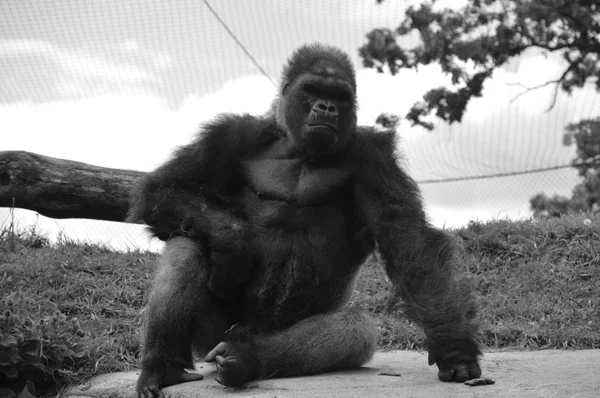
(121, 83)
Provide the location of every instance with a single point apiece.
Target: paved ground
(517, 374)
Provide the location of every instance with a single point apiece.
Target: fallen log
(60, 188)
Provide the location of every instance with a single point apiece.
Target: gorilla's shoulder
(237, 123)
(238, 131)
(373, 142)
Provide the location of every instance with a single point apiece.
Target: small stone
(479, 382)
(84, 387)
(390, 373)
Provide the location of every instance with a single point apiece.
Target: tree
(586, 195)
(472, 42)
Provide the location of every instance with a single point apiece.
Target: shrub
(36, 353)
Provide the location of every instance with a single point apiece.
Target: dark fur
(190, 196)
(313, 194)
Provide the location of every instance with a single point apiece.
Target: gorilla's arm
(187, 196)
(419, 259)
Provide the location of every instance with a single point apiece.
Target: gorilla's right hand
(236, 365)
(217, 228)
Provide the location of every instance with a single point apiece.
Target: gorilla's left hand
(456, 357)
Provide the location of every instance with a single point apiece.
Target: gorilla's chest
(306, 236)
(295, 181)
(301, 215)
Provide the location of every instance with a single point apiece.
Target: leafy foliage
(388, 121)
(36, 352)
(586, 195)
(470, 43)
(586, 135)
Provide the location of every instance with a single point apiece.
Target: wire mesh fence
(121, 83)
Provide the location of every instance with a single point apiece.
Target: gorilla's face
(318, 108)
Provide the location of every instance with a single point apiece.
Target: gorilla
(267, 221)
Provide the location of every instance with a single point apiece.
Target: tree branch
(556, 82)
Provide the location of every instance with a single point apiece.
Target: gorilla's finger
(474, 371)
(461, 373)
(219, 349)
(185, 377)
(446, 375)
(151, 393)
(220, 360)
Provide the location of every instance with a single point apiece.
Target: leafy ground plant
(36, 352)
(68, 311)
(76, 310)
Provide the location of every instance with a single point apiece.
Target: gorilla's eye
(334, 93)
(313, 89)
(340, 95)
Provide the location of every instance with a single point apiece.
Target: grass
(103, 290)
(538, 283)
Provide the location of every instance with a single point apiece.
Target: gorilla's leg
(181, 313)
(326, 342)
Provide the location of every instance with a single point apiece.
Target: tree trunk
(60, 188)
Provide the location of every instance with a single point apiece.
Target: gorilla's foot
(236, 364)
(153, 378)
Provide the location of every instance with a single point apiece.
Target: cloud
(75, 61)
(133, 50)
(251, 94)
(105, 130)
(123, 131)
(382, 92)
(72, 73)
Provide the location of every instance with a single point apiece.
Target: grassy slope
(538, 282)
(104, 290)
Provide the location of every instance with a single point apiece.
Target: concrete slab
(550, 373)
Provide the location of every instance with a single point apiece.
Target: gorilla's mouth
(320, 138)
(320, 125)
